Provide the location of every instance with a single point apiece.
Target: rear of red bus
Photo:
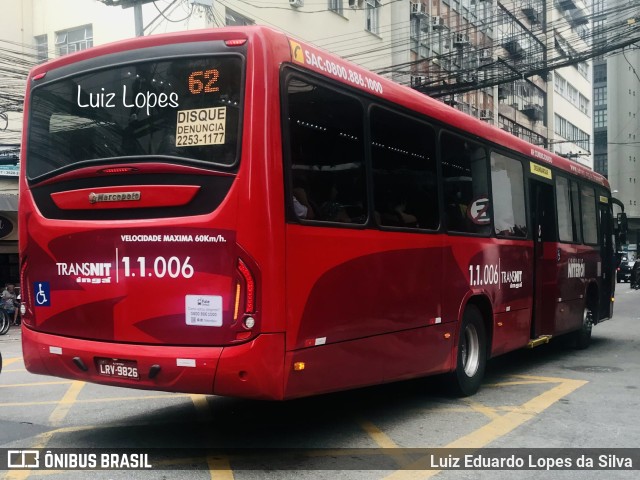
(146, 224)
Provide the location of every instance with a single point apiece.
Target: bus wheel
(472, 354)
(583, 336)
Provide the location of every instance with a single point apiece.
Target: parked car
(624, 270)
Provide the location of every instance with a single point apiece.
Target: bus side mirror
(621, 227)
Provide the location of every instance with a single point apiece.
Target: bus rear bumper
(250, 370)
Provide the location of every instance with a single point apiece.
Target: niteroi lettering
(576, 268)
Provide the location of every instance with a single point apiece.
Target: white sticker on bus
(203, 310)
(186, 362)
(202, 126)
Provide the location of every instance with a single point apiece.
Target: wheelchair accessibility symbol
(41, 293)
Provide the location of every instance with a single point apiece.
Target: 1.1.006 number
(173, 267)
(483, 275)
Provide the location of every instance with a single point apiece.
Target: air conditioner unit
(417, 80)
(418, 10)
(460, 39)
(486, 114)
(485, 55)
(296, 3)
(437, 22)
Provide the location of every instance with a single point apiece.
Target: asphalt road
(549, 397)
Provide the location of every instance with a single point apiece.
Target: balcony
(531, 11)
(534, 112)
(418, 10)
(566, 4)
(460, 39)
(437, 23)
(486, 114)
(514, 47)
(578, 17)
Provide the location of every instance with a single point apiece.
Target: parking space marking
(219, 466)
(516, 383)
(65, 404)
(483, 409)
(378, 436)
(203, 412)
(383, 440)
(498, 427)
(8, 361)
(36, 384)
(94, 400)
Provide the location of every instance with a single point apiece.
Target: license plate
(113, 367)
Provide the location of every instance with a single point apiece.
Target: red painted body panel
(252, 370)
(38, 358)
(372, 360)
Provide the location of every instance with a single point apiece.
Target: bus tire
(583, 336)
(471, 359)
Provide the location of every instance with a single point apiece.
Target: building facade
(616, 93)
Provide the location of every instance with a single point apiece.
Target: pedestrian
(635, 275)
(9, 303)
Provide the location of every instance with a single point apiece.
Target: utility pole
(137, 11)
(137, 15)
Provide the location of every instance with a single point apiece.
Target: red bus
(235, 212)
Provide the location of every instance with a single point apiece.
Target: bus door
(607, 255)
(545, 262)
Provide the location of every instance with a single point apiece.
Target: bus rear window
(185, 108)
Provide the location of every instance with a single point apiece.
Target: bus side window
(589, 215)
(327, 180)
(404, 171)
(507, 183)
(568, 214)
(575, 212)
(466, 189)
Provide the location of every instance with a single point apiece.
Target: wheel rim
(470, 347)
(587, 320)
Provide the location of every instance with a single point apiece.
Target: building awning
(8, 202)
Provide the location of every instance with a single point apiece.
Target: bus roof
(342, 70)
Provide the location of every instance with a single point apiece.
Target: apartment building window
(600, 140)
(235, 19)
(42, 48)
(572, 94)
(600, 96)
(601, 164)
(74, 40)
(570, 132)
(559, 84)
(372, 11)
(583, 69)
(600, 73)
(584, 104)
(335, 6)
(600, 118)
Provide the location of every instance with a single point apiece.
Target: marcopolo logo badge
(114, 197)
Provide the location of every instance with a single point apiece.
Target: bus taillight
(250, 288)
(24, 294)
(235, 43)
